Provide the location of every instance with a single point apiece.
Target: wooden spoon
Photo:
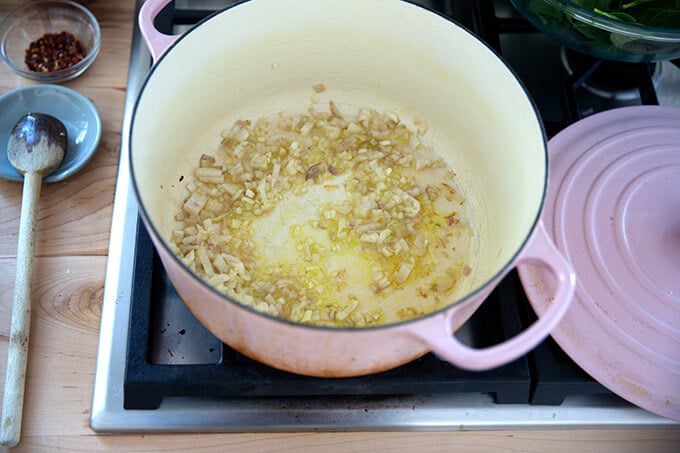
(36, 147)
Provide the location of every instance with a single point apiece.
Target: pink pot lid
(613, 209)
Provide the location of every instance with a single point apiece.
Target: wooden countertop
(72, 240)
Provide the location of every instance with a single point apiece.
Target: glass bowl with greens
(622, 30)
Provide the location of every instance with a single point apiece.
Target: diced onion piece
(334, 110)
(404, 271)
(195, 203)
(344, 313)
(209, 175)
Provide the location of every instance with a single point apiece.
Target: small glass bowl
(589, 32)
(30, 21)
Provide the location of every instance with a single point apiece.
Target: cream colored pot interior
(264, 56)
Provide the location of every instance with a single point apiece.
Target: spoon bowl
(75, 111)
(37, 143)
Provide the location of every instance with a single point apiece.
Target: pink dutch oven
(261, 57)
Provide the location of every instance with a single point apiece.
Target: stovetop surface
(184, 379)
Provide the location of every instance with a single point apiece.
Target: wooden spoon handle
(13, 400)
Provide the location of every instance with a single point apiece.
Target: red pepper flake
(53, 52)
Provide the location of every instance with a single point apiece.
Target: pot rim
(480, 289)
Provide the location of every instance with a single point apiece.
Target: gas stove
(160, 370)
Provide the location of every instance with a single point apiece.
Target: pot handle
(539, 251)
(156, 41)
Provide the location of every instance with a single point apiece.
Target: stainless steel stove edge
(109, 375)
(429, 412)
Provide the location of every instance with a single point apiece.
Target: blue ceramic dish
(79, 115)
